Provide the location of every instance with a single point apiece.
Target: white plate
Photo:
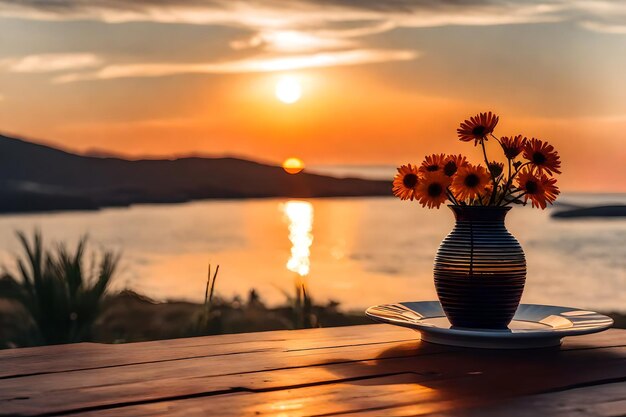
(533, 326)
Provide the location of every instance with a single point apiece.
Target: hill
(36, 177)
(598, 211)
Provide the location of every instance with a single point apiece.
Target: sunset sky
(383, 82)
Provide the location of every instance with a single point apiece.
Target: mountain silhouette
(35, 177)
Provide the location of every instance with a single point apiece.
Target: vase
(480, 269)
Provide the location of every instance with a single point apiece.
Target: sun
(293, 165)
(288, 90)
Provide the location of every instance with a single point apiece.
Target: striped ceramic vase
(480, 269)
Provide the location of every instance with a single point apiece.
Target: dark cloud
(295, 13)
(69, 7)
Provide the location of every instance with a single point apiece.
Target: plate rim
(489, 333)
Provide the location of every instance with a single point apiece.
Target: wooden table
(375, 370)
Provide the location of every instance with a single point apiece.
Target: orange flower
(433, 162)
(487, 193)
(496, 168)
(477, 128)
(453, 163)
(542, 156)
(431, 191)
(538, 187)
(405, 182)
(513, 146)
(470, 182)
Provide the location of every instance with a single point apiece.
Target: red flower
(495, 168)
(432, 163)
(477, 128)
(538, 187)
(542, 156)
(471, 181)
(453, 163)
(431, 191)
(405, 182)
(512, 146)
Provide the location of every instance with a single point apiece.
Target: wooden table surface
(375, 370)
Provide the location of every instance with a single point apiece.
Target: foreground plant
(205, 322)
(60, 290)
(529, 174)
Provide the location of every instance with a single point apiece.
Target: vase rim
(497, 208)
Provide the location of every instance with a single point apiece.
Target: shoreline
(41, 178)
(131, 317)
(198, 200)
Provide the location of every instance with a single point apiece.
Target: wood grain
(62, 358)
(360, 369)
(599, 400)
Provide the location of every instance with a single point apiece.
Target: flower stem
(493, 178)
(496, 138)
(507, 184)
(510, 181)
(451, 196)
(515, 198)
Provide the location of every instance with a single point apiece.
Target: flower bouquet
(480, 268)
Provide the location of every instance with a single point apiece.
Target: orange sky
(379, 85)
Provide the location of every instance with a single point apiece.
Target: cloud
(291, 41)
(263, 64)
(50, 62)
(321, 33)
(605, 27)
(297, 26)
(603, 16)
(307, 39)
(273, 14)
(264, 16)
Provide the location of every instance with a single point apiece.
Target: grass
(205, 322)
(302, 314)
(214, 314)
(60, 290)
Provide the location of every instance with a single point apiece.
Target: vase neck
(479, 213)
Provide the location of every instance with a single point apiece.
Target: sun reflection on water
(299, 214)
